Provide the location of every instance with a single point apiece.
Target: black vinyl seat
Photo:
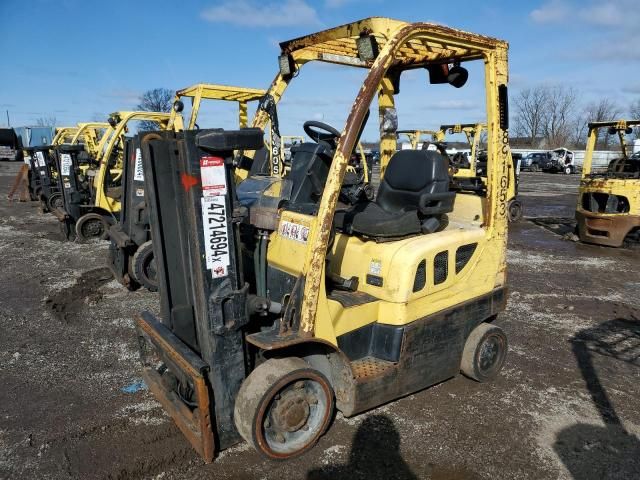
(413, 198)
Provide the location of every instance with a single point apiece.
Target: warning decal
(294, 231)
(138, 174)
(65, 164)
(213, 176)
(216, 236)
(40, 157)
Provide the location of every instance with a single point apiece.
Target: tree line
(553, 116)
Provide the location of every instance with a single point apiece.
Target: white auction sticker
(216, 237)
(27, 159)
(375, 267)
(67, 185)
(65, 164)
(40, 157)
(294, 231)
(138, 175)
(139, 192)
(213, 177)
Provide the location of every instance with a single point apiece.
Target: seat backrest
(411, 174)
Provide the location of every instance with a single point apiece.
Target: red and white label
(214, 181)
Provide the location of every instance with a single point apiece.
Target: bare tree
(559, 115)
(50, 121)
(156, 100)
(602, 111)
(634, 113)
(530, 105)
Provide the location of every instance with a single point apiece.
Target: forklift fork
(194, 423)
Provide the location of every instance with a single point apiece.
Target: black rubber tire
(568, 170)
(82, 235)
(257, 402)
(55, 201)
(515, 211)
(142, 269)
(485, 352)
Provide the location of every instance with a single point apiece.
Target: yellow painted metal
(210, 91)
(616, 224)
(473, 133)
(91, 134)
(63, 135)
(474, 220)
(416, 136)
(108, 165)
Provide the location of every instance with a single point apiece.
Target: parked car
(534, 162)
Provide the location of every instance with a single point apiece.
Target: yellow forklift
(277, 308)
(131, 249)
(91, 197)
(608, 210)
(475, 163)
(90, 134)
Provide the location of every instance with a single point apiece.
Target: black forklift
(130, 249)
(44, 177)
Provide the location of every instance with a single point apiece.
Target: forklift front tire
(91, 226)
(55, 201)
(484, 353)
(283, 407)
(144, 267)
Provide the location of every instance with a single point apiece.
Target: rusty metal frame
(196, 425)
(401, 45)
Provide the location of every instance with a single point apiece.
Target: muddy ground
(565, 407)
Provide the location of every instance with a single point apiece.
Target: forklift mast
(204, 300)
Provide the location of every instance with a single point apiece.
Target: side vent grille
(463, 255)
(421, 276)
(440, 267)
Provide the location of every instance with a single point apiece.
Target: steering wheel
(326, 133)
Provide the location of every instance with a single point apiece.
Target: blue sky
(79, 60)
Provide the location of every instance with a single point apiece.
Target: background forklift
(474, 165)
(91, 197)
(277, 309)
(131, 251)
(608, 210)
(43, 178)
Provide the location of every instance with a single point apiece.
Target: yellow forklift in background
(472, 166)
(90, 134)
(278, 307)
(91, 199)
(608, 210)
(131, 249)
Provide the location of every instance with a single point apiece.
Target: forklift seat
(412, 198)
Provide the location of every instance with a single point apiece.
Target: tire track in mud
(68, 302)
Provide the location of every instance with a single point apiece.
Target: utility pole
(8, 122)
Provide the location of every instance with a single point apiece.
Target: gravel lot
(565, 407)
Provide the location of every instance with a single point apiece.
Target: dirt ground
(565, 407)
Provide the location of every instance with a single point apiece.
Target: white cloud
(613, 13)
(252, 14)
(554, 11)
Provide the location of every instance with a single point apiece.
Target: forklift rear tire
(91, 226)
(484, 353)
(515, 211)
(144, 267)
(283, 407)
(55, 201)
